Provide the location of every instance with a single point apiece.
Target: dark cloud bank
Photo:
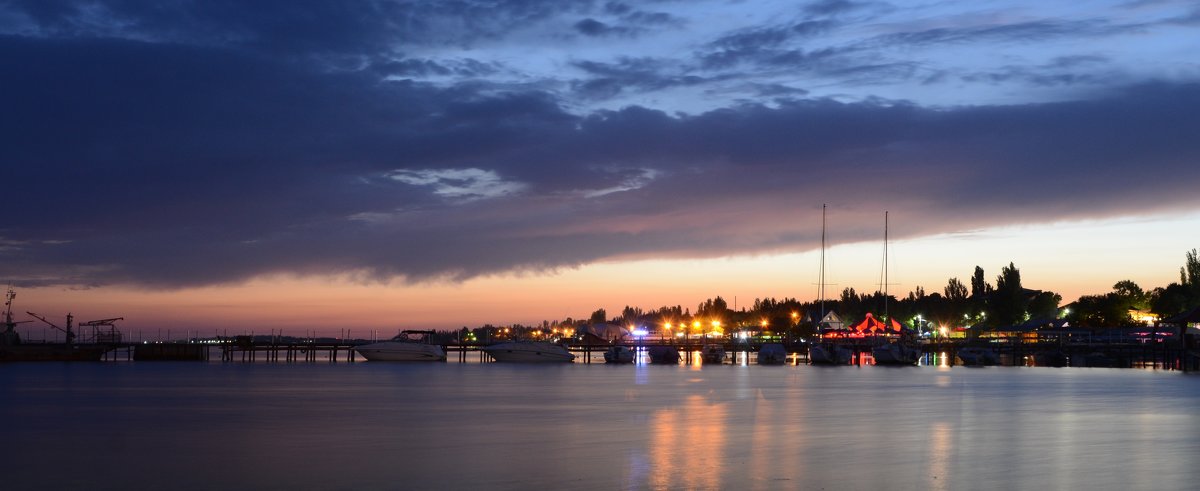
(174, 164)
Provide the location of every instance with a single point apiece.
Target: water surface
(576, 426)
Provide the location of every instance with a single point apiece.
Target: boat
(978, 356)
(620, 354)
(712, 353)
(529, 352)
(898, 352)
(12, 348)
(827, 353)
(901, 351)
(663, 355)
(772, 354)
(1051, 358)
(409, 345)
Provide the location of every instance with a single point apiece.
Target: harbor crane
(69, 331)
(112, 335)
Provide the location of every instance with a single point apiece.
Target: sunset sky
(297, 165)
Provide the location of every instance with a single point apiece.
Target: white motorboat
(772, 354)
(977, 356)
(896, 353)
(620, 354)
(713, 353)
(406, 346)
(829, 354)
(529, 352)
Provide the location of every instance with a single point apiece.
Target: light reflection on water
(498, 426)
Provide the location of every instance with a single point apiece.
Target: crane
(112, 335)
(68, 330)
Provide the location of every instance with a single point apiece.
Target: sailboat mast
(885, 268)
(821, 286)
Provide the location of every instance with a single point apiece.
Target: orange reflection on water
(687, 446)
(940, 448)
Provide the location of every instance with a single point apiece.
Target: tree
(1044, 304)
(979, 287)
(1130, 295)
(598, 317)
(955, 291)
(1189, 276)
(1171, 300)
(1008, 302)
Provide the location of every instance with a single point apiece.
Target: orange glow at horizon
(1072, 259)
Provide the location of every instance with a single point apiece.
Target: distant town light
(639, 332)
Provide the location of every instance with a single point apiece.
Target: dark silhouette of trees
(598, 317)
(1007, 305)
(955, 291)
(1044, 305)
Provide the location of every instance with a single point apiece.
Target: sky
(377, 165)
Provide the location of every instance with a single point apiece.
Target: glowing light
(639, 332)
(943, 330)
(667, 326)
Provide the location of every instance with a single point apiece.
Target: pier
(1081, 352)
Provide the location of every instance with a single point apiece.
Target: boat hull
(829, 354)
(529, 353)
(663, 355)
(1050, 359)
(392, 351)
(713, 354)
(619, 354)
(772, 354)
(896, 354)
(978, 357)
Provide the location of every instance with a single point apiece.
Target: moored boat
(409, 345)
(529, 352)
(772, 354)
(713, 353)
(827, 353)
(896, 353)
(663, 355)
(620, 354)
(1056, 359)
(978, 356)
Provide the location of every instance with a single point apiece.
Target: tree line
(980, 305)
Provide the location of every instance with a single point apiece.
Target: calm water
(495, 426)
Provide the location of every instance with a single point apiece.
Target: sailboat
(902, 351)
(826, 352)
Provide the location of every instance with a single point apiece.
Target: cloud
(154, 149)
(1017, 32)
(465, 184)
